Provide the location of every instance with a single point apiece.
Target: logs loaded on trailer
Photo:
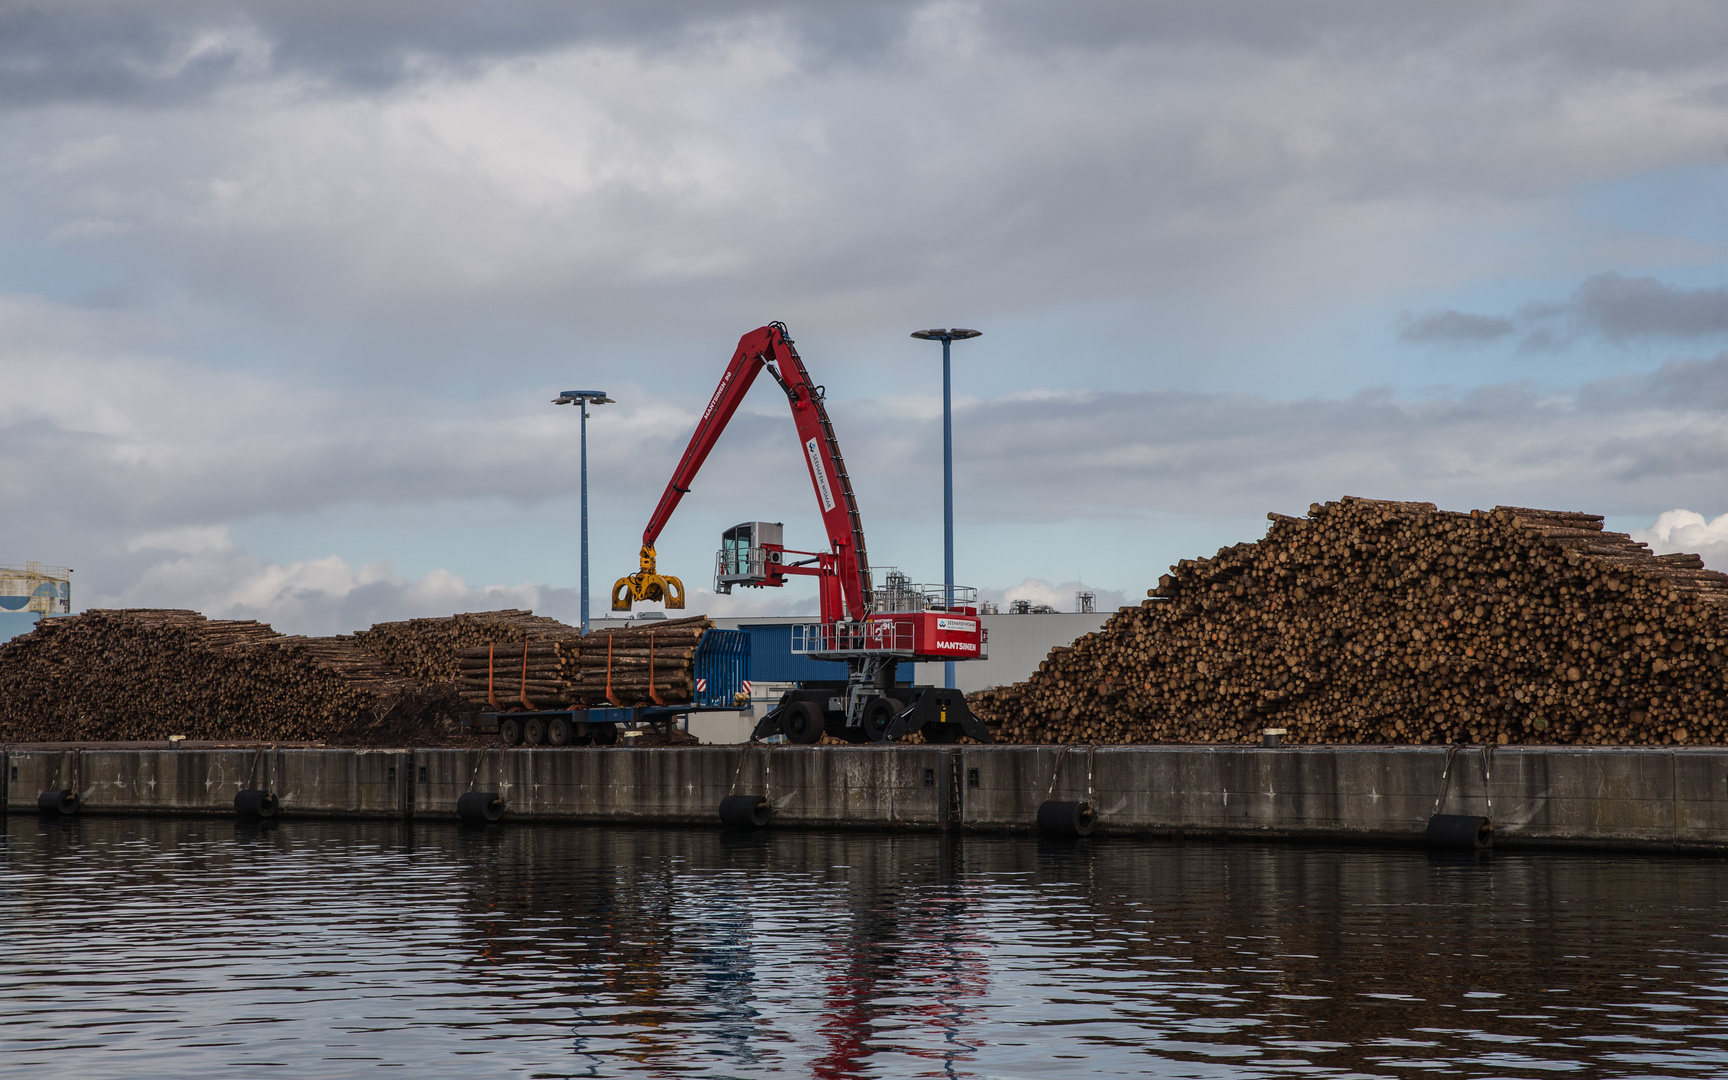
(1392, 622)
(151, 674)
(431, 649)
(653, 664)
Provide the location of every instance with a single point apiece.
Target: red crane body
(845, 587)
(868, 631)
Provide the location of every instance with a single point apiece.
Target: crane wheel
(879, 716)
(804, 722)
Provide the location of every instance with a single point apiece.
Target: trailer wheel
(878, 715)
(534, 731)
(559, 731)
(804, 723)
(604, 734)
(509, 731)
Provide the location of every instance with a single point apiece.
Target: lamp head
(586, 397)
(955, 334)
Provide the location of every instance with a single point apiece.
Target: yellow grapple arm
(647, 584)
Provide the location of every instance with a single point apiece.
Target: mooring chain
(739, 771)
(1487, 792)
(1445, 773)
(1060, 754)
(481, 760)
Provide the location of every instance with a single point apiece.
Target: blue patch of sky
(1687, 204)
(33, 263)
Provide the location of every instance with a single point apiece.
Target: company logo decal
(820, 474)
(965, 626)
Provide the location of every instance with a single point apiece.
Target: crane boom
(767, 347)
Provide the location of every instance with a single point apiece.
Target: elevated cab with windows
(750, 554)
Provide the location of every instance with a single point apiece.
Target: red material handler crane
(870, 630)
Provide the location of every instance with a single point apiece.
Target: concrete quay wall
(1666, 798)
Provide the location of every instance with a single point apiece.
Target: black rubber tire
(1467, 832)
(604, 734)
(480, 806)
(534, 731)
(878, 715)
(63, 801)
(255, 804)
(1057, 818)
(744, 811)
(941, 734)
(803, 722)
(509, 731)
(559, 731)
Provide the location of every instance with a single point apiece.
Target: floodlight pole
(583, 405)
(948, 485)
(947, 338)
(582, 399)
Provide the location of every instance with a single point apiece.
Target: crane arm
(747, 362)
(762, 347)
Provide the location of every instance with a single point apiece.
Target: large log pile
(152, 674)
(629, 666)
(1384, 622)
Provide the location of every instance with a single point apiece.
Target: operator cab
(750, 554)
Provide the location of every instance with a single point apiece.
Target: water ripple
(189, 948)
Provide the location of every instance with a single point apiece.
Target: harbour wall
(1651, 798)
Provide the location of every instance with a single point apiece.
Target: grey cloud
(1694, 385)
(179, 50)
(1450, 327)
(176, 49)
(1610, 306)
(167, 53)
(835, 165)
(1622, 308)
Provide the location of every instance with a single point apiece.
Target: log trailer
(870, 631)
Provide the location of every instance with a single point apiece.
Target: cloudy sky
(285, 288)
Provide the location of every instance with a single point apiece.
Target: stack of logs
(152, 674)
(1389, 622)
(431, 650)
(607, 666)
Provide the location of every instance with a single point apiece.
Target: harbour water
(154, 947)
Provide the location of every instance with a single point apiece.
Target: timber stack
(631, 666)
(1390, 622)
(152, 674)
(431, 650)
